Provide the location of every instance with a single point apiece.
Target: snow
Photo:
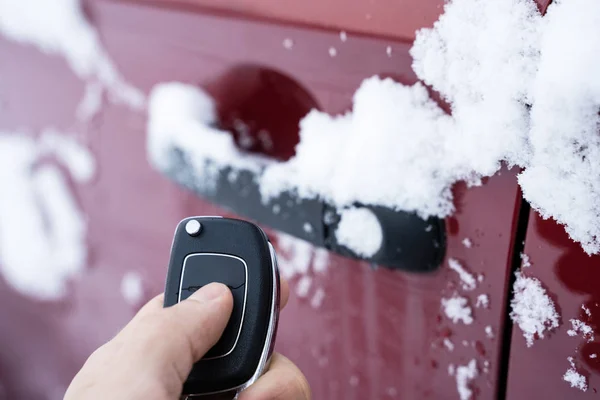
(246, 140)
(586, 310)
(91, 102)
(574, 378)
(388, 51)
(288, 43)
(60, 27)
(593, 355)
(343, 36)
(464, 375)
(303, 286)
(467, 243)
(525, 261)
(468, 281)
(532, 309)
(73, 155)
(480, 55)
(388, 152)
(131, 287)
(457, 309)
(451, 369)
(317, 299)
(489, 332)
(264, 137)
(448, 344)
(307, 227)
(561, 179)
(581, 327)
(181, 117)
(486, 367)
(42, 229)
(332, 52)
(360, 231)
(293, 256)
(320, 260)
(483, 301)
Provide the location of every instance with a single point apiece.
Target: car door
(358, 331)
(563, 363)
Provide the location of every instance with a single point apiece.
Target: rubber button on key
(203, 268)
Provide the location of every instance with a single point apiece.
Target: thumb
(202, 317)
(174, 338)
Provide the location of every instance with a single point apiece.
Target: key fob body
(240, 255)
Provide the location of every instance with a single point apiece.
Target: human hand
(154, 354)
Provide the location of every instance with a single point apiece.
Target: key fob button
(203, 268)
(200, 269)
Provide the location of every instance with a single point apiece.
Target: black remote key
(238, 254)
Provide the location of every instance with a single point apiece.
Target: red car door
(358, 332)
(564, 364)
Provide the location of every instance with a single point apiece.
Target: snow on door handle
(186, 144)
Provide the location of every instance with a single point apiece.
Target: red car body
(378, 334)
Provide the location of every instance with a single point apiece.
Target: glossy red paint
(571, 279)
(378, 334)
(391, 18)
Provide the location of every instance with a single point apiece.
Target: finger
(284, 287)
(283, 381)
(153, 305)
(203, 316)
(180, 335)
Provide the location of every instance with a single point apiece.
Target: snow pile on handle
(359, 230)
(523, 90)
(532, 309)
(389, 151)
(60, 27)
(183, 117)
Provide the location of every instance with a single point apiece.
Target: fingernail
(209, 292)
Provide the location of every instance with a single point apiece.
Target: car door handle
(408, 242)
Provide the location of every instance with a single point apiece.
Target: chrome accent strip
(269, 341)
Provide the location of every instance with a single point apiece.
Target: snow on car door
(357, 330)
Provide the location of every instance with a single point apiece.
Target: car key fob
(238, 254)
